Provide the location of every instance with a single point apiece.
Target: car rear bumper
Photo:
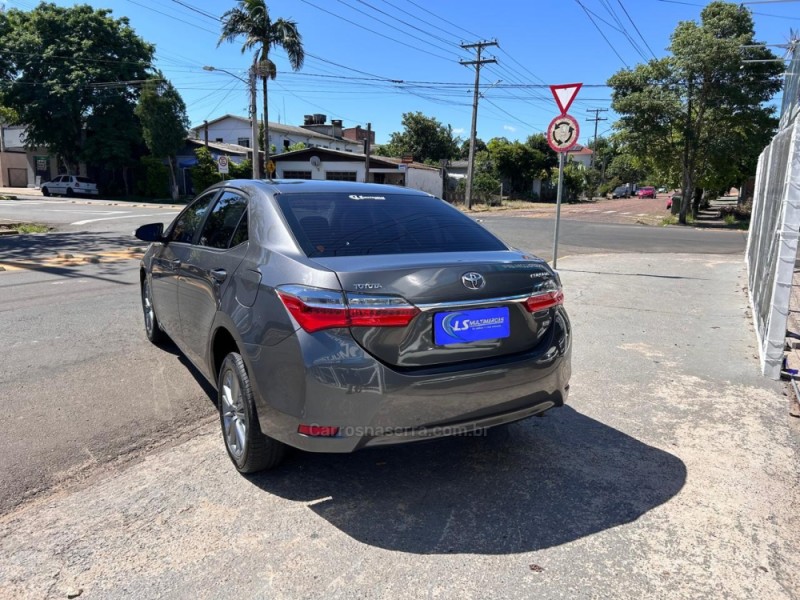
(372, 404)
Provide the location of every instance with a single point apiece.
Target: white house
(581, 155)
(232, 129)
(325, 163)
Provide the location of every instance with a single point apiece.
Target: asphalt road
(83, 387)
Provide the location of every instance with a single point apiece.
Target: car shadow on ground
(528, 486)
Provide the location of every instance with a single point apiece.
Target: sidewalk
(672, 474)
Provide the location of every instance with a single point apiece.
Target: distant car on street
(647, 191)
(662, 190)
(621, 192)
(69, 185)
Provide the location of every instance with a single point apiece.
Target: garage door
(18, 177)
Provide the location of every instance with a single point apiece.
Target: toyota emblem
(473, 281)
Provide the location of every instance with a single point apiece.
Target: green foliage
(56, 62)
(574, 181)
(242, 170)
(700, 112)
(162, 114)
(423, 137)
(297, 146)
(205, 172)
(153, 178)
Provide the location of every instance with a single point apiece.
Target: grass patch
(24, 227)
(730, 219)
(31, 228)
(673, 220)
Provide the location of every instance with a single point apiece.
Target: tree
(423, 137)
(250, 19)
(695, 111)
(162, 113)
(480, 146)
(71, 74)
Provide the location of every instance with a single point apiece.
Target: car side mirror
(152, 232)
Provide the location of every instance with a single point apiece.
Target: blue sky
(368, 42)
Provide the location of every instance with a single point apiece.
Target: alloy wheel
(234, 419)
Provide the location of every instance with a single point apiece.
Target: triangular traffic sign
(565, 94)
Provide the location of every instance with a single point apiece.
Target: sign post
(222, 165)
(562, 135)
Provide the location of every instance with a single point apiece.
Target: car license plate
(464, 326)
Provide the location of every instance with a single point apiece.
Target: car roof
(311, 186)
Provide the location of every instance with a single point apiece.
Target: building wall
(14, 160)
(426, 180)
(231, 130)
(282, 166)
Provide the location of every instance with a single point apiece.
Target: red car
(647, 191)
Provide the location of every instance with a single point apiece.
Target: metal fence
(772, 243)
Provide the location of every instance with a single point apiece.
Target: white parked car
(69, 185)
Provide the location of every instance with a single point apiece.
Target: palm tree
(250, 19)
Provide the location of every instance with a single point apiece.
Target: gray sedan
(333, 316)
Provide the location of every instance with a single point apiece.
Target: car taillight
(547, 295)
(315, 309)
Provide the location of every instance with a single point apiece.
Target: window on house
(297, 174)
(244, 142)
(340, 176)
(218, 140)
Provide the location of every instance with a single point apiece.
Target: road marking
(91, 212)
(86, 221)
(642, 215)
(608, 212)
(625, 213)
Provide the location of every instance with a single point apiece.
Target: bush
(153, 181)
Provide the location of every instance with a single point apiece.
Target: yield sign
(565, 94)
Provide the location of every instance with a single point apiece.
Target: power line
(601, 33)
(644, 39)
(376, 33)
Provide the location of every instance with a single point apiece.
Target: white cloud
(458, 130)
(509, 128)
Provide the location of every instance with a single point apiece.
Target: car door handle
(219, 275)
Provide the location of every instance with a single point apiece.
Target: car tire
(248, 448)
(151, 326)
(70, 192)
(45, 192)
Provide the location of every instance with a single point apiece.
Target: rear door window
(342, 224)
(189, 221)
(223, 220)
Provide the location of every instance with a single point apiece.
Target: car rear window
(84, 180)
(341, 224)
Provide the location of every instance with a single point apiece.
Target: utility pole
(254, 123)
(367, 150)
(479, 46)
(596, 120)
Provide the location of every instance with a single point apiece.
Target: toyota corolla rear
(410, 321)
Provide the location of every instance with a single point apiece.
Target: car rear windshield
(341, 224)
(84, 180)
